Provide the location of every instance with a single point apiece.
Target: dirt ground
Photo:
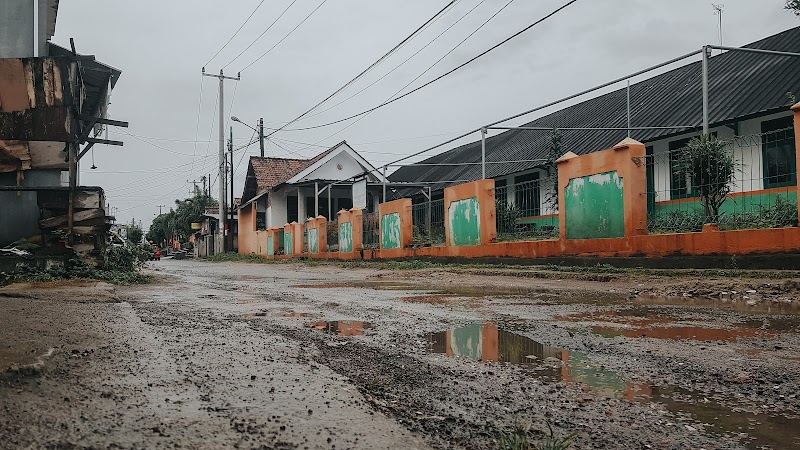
(290, 356)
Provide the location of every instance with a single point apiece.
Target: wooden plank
(83, 229)
(48, 155)
(79, 216)
(104, 141)
(84, 199)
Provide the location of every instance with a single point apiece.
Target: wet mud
(222, 355)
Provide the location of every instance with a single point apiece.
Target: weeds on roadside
(72, 270)
(522, 438)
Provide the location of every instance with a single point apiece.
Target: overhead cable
(260, 35)
(283, 38)
(449, 72)
(234, 34)
(371, 66)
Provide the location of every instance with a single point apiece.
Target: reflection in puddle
(341, 327)
(485, 342)
(764, 430)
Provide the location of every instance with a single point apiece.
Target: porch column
(316, 199)
(300, 210)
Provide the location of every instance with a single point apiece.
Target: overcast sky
(160, 46)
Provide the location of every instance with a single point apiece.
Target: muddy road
(285, 356)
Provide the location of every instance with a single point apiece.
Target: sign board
(360, 194)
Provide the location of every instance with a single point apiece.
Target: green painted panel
(391, 233)
(288, 246)
(467, 342)
(594, 207)
(270, 246)
(346, 237)
(313, 241)
(465, 222)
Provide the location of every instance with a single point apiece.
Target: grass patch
(74, 270)
(522, 438)
(422, 264)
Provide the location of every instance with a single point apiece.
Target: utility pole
(223, 210)
(261, 134)
(230, 221)
(205, 188)
(159, 208)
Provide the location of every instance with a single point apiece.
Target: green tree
(135, 233)
(555, 151)
(794, 6)
(178, 221)
(710, 168)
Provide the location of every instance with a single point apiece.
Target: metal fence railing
(527, 210)
(305, 237)
(428, 223)
(742, 182)
(371, 231)
(280, 235)
(332, 235)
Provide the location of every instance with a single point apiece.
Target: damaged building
(53, 107)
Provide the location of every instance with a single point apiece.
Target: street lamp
(260, 131)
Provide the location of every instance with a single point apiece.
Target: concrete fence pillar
(298, 229)
(396, 227)
(470, 214)
(603, 194)
(796, 110)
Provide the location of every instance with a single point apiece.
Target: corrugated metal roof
(741, 84)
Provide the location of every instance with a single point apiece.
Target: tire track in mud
(462, 407)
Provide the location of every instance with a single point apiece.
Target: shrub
(710, 169)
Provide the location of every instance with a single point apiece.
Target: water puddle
(678, 333)
(485, 342)
(644, 322)
(250, 315)
(341, 327)
(295, 314)
(725, 302)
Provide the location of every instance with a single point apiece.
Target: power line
(425, 71)
(260, 35)
(197, 125)
(369, 68)
(449, 72)
(284, 38)
(234, 34)
(404, 62)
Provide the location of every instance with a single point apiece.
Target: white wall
(331, 171)
(747, 152)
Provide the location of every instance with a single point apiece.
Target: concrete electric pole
(223, 209)
(261, 134)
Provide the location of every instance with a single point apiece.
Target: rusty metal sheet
(55, 123)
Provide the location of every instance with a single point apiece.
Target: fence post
(322, 233)
(796, 110)
(357, 221)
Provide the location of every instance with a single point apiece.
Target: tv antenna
(718, 8)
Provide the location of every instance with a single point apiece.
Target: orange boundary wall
(628, 160)
(403, 208)
(483, 190)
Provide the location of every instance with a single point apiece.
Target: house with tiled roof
(280, 190)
